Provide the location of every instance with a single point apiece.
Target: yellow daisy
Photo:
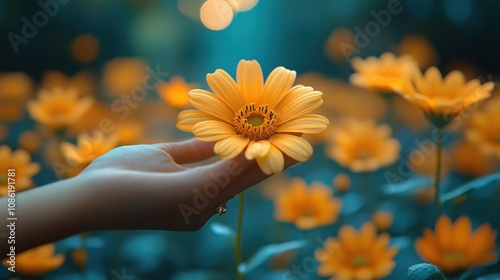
(455, 247)
(59, 108)
(357, 255)
(39, 260)
(440, 98)
(20, 160)
(385, 74)
(261, 119)
(175, 93)
(362, 146)
(307, 207)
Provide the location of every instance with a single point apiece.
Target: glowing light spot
(84, 48)
(216, 14)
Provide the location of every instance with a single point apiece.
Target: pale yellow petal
(250, 81)
(295, 147)
(310, 123)
(300, 100)
(277, 85)
(212, 130)
(188, 118)
(257, 149)
(226, 88)
(209, 103)
(231, 146)
(273, 162)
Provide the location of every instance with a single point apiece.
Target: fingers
(188, 151)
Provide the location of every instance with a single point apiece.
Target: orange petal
(226, 88)
(277, 85)
(273, 162)
(311, 123)
(209, 103)
(212, 130)
(231, 146)
(295, 147)
(250, 81)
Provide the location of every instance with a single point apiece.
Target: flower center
(455, 257)
(255, 123)
(363, 155)
(359, 261)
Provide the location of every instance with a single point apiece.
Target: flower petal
(225, 88)
(277, 85)
(212, 130)
(188, 118)
(299, 100)
(231, 146)
(295, 147)
(250, 81)
(273, 162)
(257, 149)
(311, 123)
(208, 102)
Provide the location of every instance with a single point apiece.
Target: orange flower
(484, 130)
(260, 119)
(357, 255)
(15, 89)
(307, 207)
(382, 219)
(175, 93)
(88, 148)
(39, 260)
(468, 159)
(385, 74)
(362, 145)
(121, 75)
(440, 98)
(20, 160)
(454, 247)
(342, 182)
(58, 108)
(83, 82)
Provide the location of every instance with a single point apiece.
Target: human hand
(147, 186)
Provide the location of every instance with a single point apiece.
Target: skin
(130, 187)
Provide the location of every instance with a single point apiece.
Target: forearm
(46, 214)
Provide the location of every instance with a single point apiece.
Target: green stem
(238, 237)
(439, 145)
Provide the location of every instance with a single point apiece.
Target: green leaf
(411, 184)
(472, 185)
(267, 252)
(221, 229)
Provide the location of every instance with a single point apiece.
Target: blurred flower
(357, 254)
(420, 49)
(440, 98)
(362, 146)
(88, 148)
(20, 160)
(99, 116)
(385, 74)
(129, 132)
(175, 93)
(121, 75)
(423, 161)
(307, 208)
(467, 159)
(382, 220)
(259, 118)
(39, 260)
(15, 89)
(342, 182)
(84, 48)
(83, 82)
(79, 257)
(339, 44)
(484, 129)
(58, 108)
(454, 247)
(30, 141)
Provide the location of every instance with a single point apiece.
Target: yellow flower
(357, 255)
(261, 118)
(59, 108)
(440, 98)
(307, 207)
(484, 130)
(39, 260)
(342, 182)
(15, 89)
(20, 160)
(382, 219)
(362, 146)
(88, 148)
(175, 93)
(83, 82)
(454, 247)
(385, 74)
(121, 75)
(468, 159)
